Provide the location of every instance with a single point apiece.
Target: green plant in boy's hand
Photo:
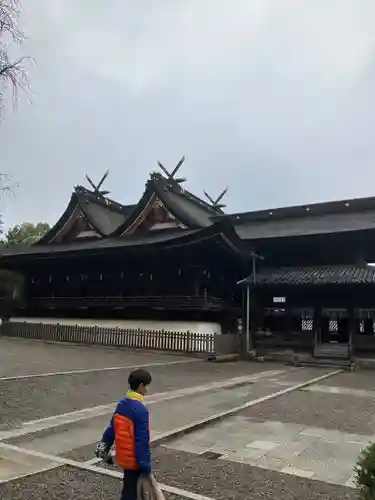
(365, 473)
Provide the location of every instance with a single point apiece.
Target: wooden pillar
(317, 324)
(241, 323)
(248, 317)
(196, 281)
(351, 330)
(248, 328)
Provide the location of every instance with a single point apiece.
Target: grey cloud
(273, 98)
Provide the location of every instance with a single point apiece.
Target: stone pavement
(316, 432)
(229, 480)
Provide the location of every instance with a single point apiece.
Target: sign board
(279, 300)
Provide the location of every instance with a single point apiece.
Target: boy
(129, 431)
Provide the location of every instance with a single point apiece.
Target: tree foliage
(11, 284)
(12, 289)
(12, 72)
(26, 233)
(365, 473)
(6, 188)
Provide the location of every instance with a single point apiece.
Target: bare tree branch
(7, 188)
(12, 72)
(6, 184)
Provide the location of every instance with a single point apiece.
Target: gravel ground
(350, 414)
(356, 380)
(81, 454)
(65, 483)
(29, 399)
(225, 480)
(21, 357)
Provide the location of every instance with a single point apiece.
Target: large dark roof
(123, 241)
(314, 275)
(317, 218)
(328, 207)
(153, 240)
(110, 219)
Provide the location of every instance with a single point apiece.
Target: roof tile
(314, 275)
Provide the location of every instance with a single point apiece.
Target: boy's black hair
(138, 378)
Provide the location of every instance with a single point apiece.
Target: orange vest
(124, 426)
(125, 443)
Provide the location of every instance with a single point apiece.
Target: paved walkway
(305, 433)
(311, 452)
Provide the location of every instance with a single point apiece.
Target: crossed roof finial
(216, 203)
(171, 175)
(96, 187)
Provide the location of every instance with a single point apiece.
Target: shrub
(12, 288)
(365, 473)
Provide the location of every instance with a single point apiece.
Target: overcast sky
(275, 98)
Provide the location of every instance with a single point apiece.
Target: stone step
(340, 351)
(333, 347)
(344, 364)
(329, 348)
(332, 355)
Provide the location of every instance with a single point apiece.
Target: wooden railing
(162, 340)
(157, 301)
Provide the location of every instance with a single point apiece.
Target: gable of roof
(63, 225)
(104, 215)
(101, 215)
(188, 210)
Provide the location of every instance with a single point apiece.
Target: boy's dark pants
(129, 490)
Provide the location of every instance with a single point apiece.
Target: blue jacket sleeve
(142, 441)
(109, 434)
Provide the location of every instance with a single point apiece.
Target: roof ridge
(194, 198)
